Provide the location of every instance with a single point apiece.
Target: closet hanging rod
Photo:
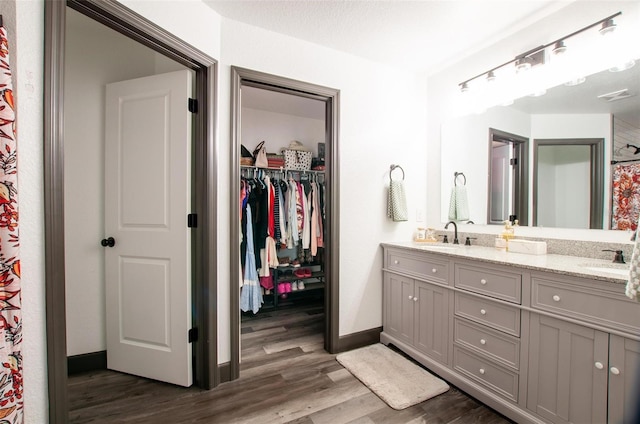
(613, 162)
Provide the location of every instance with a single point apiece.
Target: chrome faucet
(455, 231)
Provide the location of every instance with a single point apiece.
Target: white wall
(279, 129)
(95, 56)
(443, 91)
(381, 115)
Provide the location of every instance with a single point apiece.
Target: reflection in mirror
(507, 177)
(561, 198)
(606, 106)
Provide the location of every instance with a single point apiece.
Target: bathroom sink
(618, 269)
(439, 247)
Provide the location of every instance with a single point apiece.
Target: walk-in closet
(282, 221)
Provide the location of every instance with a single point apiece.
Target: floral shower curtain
(626, 197)
(11, 401)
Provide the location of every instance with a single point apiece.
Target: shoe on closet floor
(300, 285)
(295, 263)
(284, 261)
(294, 286)
(300, 273)
(287, 287)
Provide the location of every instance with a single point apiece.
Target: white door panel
(147, 199)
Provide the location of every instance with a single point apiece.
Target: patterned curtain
(626, 197)
(11, 401)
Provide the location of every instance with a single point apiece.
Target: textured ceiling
(418, 35)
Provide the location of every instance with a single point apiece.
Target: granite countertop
(576, 266)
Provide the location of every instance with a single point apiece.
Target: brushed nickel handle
(483, 341)
(483, 281)
(556, 298)
(483, 312)
(481, 370)
(599, 365)
(434, 270)
(614, 370)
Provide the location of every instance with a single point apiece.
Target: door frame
(596, 165)
(204, 259)
(246, 77)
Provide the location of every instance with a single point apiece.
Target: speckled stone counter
(567, 265)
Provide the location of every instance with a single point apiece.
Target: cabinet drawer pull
(483, 312)
(415, 299)
(599, 365)
(556, 298)
(410, 297)
(396, 262)
(483, 281)
(483, 341)
(434, 270)
(614, 370)
(481, 370)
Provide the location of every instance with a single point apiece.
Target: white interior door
(147, 199)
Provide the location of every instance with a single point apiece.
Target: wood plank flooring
(285, 377)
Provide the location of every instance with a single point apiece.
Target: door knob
(108, 242)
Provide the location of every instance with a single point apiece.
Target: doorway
(508, 178)
(560, 196)
(243, 79)
(203, 264)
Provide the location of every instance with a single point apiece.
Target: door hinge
(193, 105)
(193, 335)
(513, 161)
(192, 220)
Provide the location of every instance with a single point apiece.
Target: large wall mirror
(605, 107)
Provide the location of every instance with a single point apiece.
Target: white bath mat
(392, 377)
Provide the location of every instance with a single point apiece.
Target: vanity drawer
(482, 340)
(418, 265)
(501, 317)
(495, 283)
(586, 302)
(496, 378)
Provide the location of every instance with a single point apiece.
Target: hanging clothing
(626, 197)
(250, 294)
(11, 389)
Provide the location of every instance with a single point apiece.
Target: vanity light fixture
(623, 66)
(608, 27)
(524, 81)
(559, 48)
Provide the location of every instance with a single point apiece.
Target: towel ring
(455, 178)
(391, 169)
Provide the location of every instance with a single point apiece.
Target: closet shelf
(292, 277)
(282, 169)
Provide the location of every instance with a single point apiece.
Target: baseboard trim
(357, 340)
(224, 371)
(87, 362)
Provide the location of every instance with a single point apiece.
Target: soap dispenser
(509, 229)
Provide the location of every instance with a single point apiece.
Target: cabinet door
(567, 381)
(398, 307)
(624, 380)
(432, 320)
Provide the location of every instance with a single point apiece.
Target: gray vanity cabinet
(624, 380)
(416, 312)
(538, 346)
(565, 383)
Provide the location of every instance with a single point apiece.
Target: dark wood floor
(286, 377)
